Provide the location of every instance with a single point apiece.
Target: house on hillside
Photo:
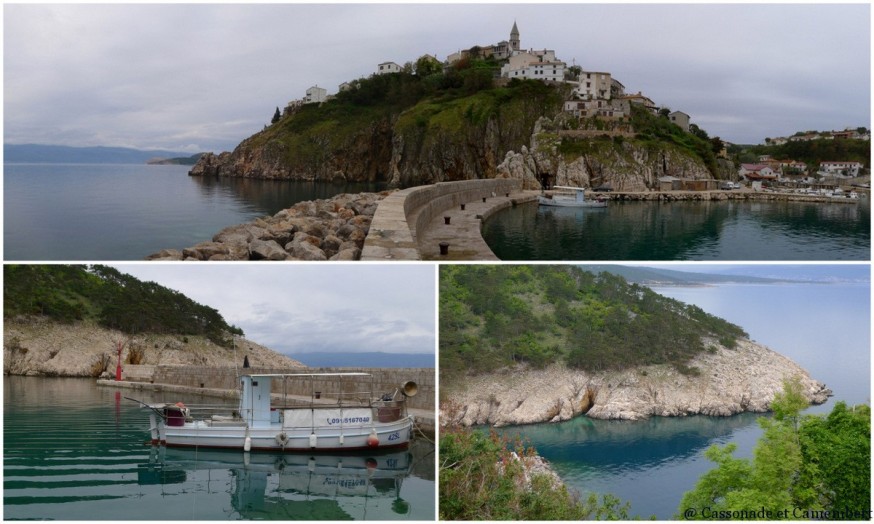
(754, 172)
(846, 169)
(642, 100)
(592, 85)
(537, 65)
(315, 95)
(681, 119)
(387, 68)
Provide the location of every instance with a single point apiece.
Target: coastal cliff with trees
(432, 125)
(529, 344)
(65, 320)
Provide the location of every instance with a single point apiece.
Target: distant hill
(370, 359)
(770, 274)
(177, 161)
(669, 277)
(38, 153)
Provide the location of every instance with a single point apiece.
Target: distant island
(176, 161)
(53, 154)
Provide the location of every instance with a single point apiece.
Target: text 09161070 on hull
(347, 420)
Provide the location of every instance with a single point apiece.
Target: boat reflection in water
(287, 486)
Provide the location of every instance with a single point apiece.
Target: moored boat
(347, 420)
(571, 197)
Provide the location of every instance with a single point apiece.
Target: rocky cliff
(730, 381)
(38, 346)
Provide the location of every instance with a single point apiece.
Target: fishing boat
(346, 420)
(571, 197)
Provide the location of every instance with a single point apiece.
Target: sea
(79, 212)
(826, 328)
(718, 230)
(73, 450)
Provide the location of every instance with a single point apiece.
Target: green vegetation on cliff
(803, 468)
(496, 316)
(458, 110)
(69, 293)
(651, 132)
(482, 478)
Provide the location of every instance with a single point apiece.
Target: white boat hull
(276, 437)
(558, 201)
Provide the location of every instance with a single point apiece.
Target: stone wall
(385, 380)
(401, 217)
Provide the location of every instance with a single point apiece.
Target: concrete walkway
(463, 234)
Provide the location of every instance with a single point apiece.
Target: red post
(119, 345)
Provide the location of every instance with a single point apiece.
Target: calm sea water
(126, 212)
(73, 451)
(652, 463)
(684, 231)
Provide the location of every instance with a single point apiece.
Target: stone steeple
(514, 38)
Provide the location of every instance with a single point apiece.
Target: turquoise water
(651, 463)
(73, 451)
(127, 212)
(726, 230)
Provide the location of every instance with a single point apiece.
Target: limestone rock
(730, 381)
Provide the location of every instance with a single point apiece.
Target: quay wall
(385, 380)
(402, 217)
(670, 196)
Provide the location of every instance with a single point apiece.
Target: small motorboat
(346, 420)
(570, 197)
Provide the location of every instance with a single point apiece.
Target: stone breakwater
(319, 230)
(729, 381)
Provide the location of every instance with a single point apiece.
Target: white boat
(343, 421)
(572, 197)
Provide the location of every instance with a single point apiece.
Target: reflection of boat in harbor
(292, 486)
(343, 420)
(571, 197)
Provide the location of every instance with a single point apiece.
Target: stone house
(681, 119)
(537, 65)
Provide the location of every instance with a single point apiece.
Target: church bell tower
(514, 38)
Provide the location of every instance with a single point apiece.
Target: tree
(276, 116)
(811, 463)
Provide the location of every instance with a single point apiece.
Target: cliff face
(37, 346)
(731, 381)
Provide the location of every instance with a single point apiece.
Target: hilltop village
(594, 94)
(604, 107)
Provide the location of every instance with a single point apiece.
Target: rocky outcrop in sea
(319, 230)
(728, 381)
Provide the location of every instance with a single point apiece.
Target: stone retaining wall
(402, 216)
(385, 380)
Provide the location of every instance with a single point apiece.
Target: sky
(302, 308)
(203, 77)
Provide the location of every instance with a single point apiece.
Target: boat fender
(247, 443)
(313, 440)
(282, 439)
(341, 439)
(373, 440)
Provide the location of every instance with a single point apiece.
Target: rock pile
(330, 229)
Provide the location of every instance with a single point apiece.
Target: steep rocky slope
(730, 381)
(38, 346)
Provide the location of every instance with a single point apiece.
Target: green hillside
(69, 293)
(496, 316)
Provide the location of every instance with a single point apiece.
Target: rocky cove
(728, 381)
